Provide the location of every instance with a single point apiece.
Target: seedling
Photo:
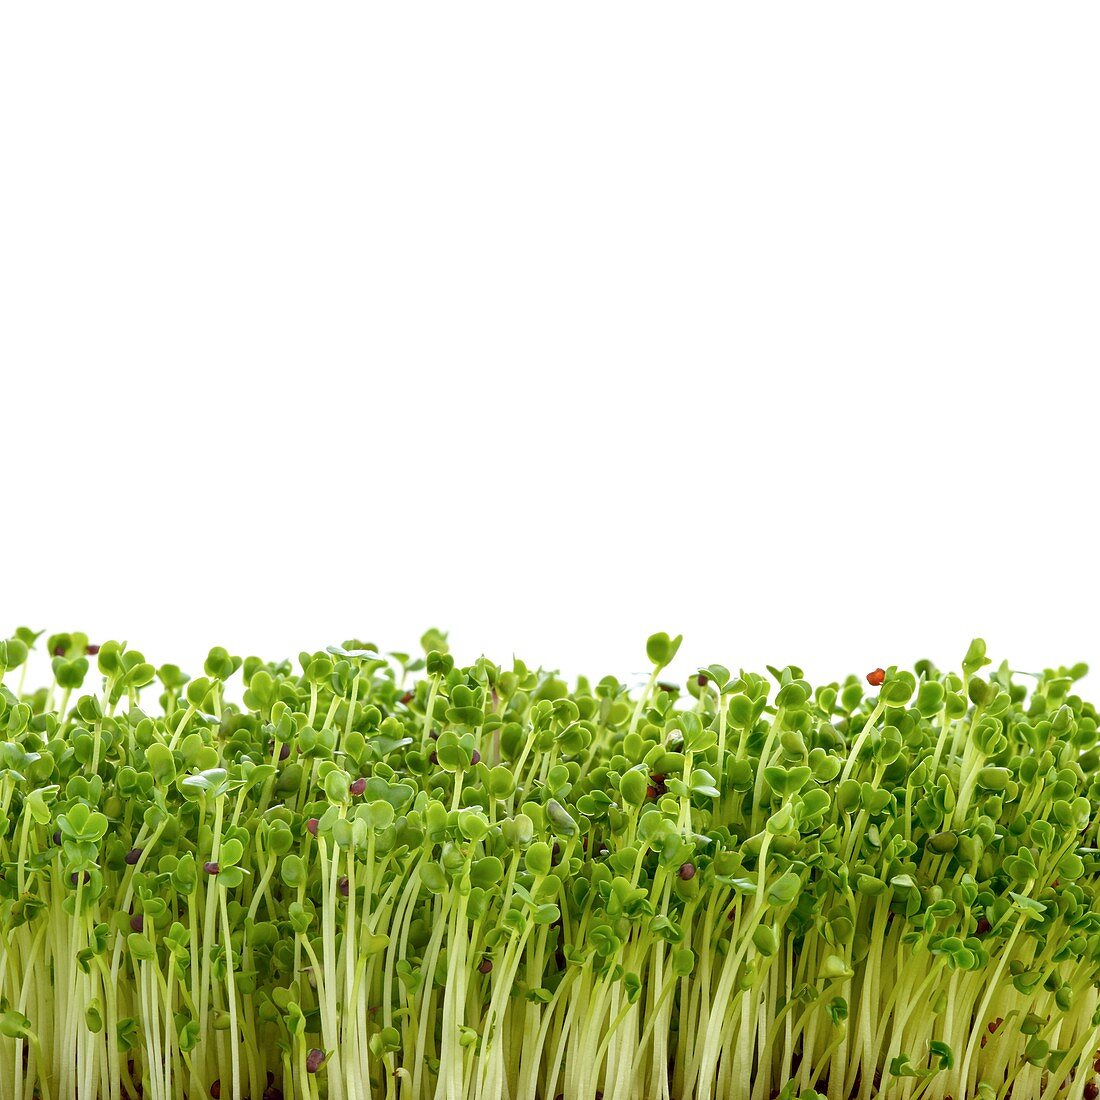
(372, 876)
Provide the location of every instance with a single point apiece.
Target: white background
(552, 326)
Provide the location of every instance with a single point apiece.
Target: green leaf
(785, 889)
(538, 858)
(435, 881)
(560, 819)
(975, 657)
(683, 962)
(765, 940)
(661, 649)
(292, 870)
(833, 968)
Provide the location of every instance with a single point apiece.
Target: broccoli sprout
(369, 876)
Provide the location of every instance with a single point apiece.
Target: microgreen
(369, 875)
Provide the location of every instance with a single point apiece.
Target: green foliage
(365, 875)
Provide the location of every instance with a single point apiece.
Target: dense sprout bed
(383, 877)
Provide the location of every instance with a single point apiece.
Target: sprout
(739, 885)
